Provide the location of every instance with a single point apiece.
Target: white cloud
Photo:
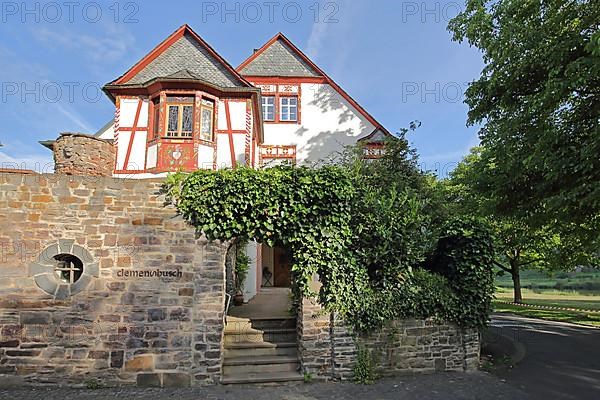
(34, 162)
(318, 32)
(114, 43)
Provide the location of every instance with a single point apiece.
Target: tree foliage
(518, 243)
(538, 99)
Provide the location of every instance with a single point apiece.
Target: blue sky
(395, 58)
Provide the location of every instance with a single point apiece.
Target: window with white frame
(268, 108)
(288, 109)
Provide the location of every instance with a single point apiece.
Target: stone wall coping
(84, 135)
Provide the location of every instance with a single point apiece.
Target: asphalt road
(562, 361)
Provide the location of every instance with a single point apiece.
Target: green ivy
(367, 243)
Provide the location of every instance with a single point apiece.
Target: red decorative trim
(133, 171)
(373, 150)
(117, 121)
(286, 152)
(282, 80)
(136, 129)
(133, 130)
(248, 139)
(328, 80)
(234, 131)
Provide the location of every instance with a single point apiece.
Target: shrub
(365, 367)
(464, 255)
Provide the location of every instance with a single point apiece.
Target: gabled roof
(278, 58)
(376, 136)
(295, 64)
(185, 51)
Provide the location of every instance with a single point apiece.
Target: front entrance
(282, 265)
(277, 267)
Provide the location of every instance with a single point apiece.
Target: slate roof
(378, 135)
(187, 54)
(279, 60)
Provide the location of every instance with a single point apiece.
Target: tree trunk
(516, 278)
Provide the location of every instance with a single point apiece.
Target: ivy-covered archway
(330, 222)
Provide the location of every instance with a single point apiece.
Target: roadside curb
(502, 344)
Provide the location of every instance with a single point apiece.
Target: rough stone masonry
(118, 328)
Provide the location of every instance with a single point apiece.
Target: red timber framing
(230, 134)
(134, 129)
(323, 78)
(186, 149)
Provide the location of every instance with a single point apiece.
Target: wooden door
(282, 266)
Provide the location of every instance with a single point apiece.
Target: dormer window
(180, 116)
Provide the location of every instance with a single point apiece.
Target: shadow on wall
(327, 99)
(327, 145)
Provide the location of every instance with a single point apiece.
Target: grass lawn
(573, 317)
(579, 290)
(553, 298)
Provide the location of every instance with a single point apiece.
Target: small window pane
(68, 268)
(206, 126)
(183, 99)
(268, 108)
(187, 123)
(173, 120)
(289, 109)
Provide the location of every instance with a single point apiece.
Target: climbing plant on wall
(366, 241)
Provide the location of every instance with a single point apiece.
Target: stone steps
(260, 364)
(274, 377)
(256, 336)
(260, 350)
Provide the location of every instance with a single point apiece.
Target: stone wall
(328, 349)
(163, 327)
(79, 154)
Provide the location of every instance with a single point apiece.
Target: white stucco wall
(107, 132)
(327, 124)
(250, 283)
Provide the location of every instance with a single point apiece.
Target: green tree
(518, 244)
(538, 101)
